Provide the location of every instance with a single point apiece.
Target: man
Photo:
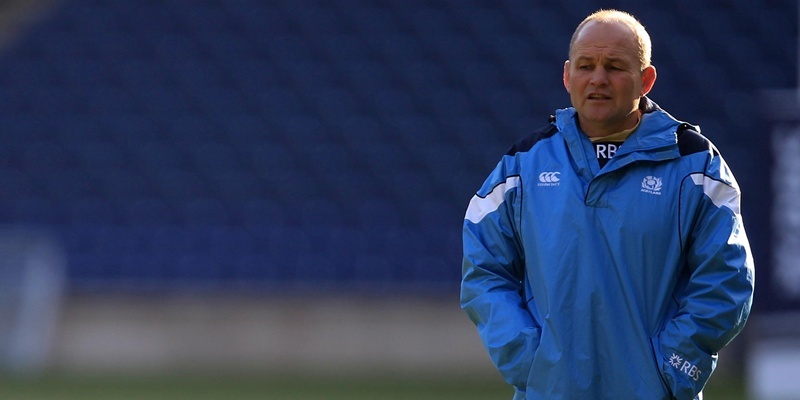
(605, 256)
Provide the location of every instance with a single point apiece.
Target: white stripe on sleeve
(480, 207)
(721, 194)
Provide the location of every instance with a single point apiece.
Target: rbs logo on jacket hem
(549, 178)
(684, 366)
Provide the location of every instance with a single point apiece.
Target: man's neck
(595, 131)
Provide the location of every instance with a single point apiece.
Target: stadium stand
(316, 144)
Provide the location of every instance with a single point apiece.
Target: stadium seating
(321, 145)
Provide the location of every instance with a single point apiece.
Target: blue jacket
(615, 283)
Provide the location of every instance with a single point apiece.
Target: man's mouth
(595, 96)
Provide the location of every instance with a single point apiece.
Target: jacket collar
(647, 106)
(655, 139)
(657, 128)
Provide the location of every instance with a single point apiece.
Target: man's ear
(566, 75)
(648, 79)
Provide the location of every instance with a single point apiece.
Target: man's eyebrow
(616, 59)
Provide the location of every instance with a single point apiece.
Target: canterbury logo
(549, 178)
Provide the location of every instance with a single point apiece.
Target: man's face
(604, 78)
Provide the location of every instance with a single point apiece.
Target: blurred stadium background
(276, 188)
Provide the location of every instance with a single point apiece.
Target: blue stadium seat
(308, 143)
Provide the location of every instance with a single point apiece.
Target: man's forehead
(606, 57)
(608, 53)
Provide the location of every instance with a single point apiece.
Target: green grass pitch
(280, 388)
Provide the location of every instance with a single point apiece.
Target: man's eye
(585, 67)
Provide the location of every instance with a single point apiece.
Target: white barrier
(32, 268)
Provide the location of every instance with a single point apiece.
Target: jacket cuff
(514, 361)
(685, 370)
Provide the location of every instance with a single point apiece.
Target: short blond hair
(620, 17)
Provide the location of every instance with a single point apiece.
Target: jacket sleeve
(716, 293)
(492, 289)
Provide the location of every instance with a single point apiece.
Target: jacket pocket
(657, 362)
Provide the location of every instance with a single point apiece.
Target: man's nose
(599, 76)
